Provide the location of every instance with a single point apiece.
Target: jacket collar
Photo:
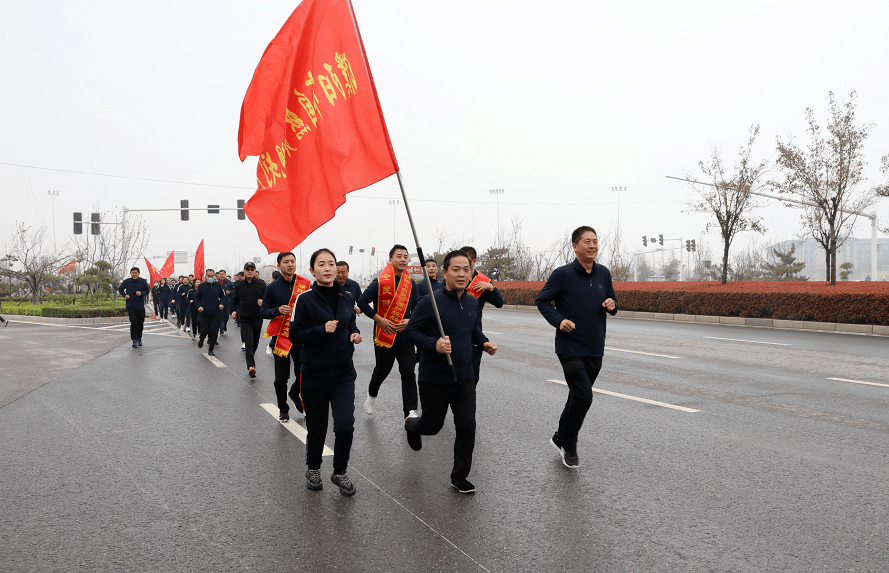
(576, 265)
(452, 293)
(340, 288)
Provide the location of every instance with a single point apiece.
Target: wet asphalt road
(157, 459)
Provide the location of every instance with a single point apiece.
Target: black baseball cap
(249, 266)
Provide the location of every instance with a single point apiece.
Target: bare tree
(615, 256)
(511, 260)
(557, 254)
(829, 174)
(38, 261)
(728, 198)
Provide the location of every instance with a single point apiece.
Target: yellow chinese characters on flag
(312, 117)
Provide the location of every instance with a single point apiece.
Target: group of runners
(313, 331)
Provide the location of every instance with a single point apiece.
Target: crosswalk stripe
(294, 428)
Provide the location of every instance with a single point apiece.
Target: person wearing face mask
(324, 324)
(209, 300)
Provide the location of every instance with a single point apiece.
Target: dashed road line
(636, 398)
(293, 427)
(640, 352)
(859, 382)
(216, 361)
(750, 341)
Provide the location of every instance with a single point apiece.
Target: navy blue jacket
(459, 317)
(165, 293)
(354, 289)
(209, 296)
(130, 286)
(191, 296)
(230, 287)
(245, 297)
(180, 293)
(324, 354)
(423, 288)
(277, 293)
(578, 296)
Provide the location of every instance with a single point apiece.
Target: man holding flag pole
(312, 116)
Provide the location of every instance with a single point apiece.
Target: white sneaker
(183, 328)
(243, 346)
(187, 329)
(413, 414)
(369, 405)
(268, 350)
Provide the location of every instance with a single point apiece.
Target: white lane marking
(294, 428)
(637, 399)
(750, 341)
(489, 332)
(15, 321)
(638, 352)
(859, 382)
(216, 361)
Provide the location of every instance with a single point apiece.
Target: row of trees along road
(32, 260)
(828, 175)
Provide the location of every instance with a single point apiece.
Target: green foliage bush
(82, 312)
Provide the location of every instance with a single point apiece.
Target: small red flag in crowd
(312, 116)
(199, 261)
(67, 268)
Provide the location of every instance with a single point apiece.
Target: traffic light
(95, 228)
(644, 241)
(350, 249)
(183, 214)
(688, 246)
(241, 210)
(373, 251)
(693, 248)
(660, 239)
(78, 225)
(213, 209)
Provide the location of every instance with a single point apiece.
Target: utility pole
(52, 197)
(497, 193)
(618, 190)
(394, 203)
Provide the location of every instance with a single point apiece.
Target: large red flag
(155, 275)
(167, 269)
(67, 268)
(199, 261)
(312, 116)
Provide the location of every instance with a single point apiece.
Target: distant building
(854, 250)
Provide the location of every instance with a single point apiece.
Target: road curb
(871, 329)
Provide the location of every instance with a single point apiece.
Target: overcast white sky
(556, 103)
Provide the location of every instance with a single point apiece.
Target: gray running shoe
(313, 479)
(343, 482)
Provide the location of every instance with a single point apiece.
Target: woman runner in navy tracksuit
(324, 323)
(166, 295)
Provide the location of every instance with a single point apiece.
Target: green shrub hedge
(82, 312)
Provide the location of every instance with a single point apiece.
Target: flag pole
(425, 270)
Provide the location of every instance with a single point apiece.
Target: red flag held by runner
(155, 275)
(199, 262)
(67, 268)
(312, 116)
(167, 269)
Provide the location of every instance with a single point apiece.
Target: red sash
(280, 325)
(391, 303)
(478, 278)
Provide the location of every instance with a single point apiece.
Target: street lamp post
(497, 193)
(618, 190)
(394, 203)
(52, 196)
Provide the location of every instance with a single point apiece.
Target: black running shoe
(283, 416)
(414, 439)
(252, 372)
(200, 343)
(343, 482)
(313, 479)
(569, 455)
(462, 485)
(211, 353)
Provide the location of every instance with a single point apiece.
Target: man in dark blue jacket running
(209, 300)
(583, 294)
(438, 389)
(135, 289)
